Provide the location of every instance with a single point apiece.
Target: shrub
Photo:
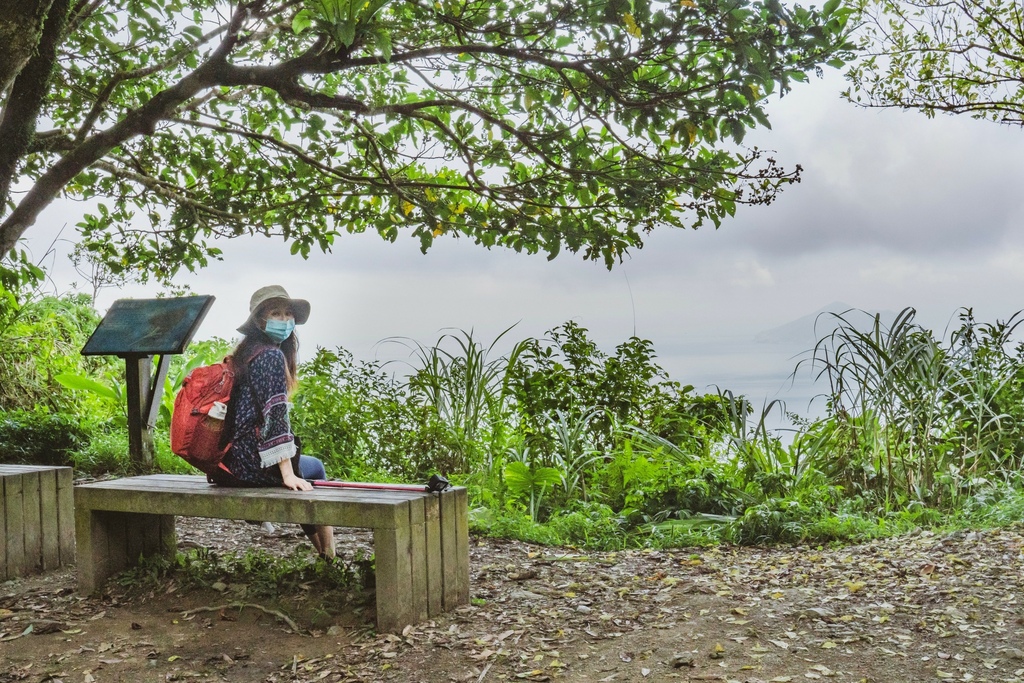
(359, 419)
(39, 438)
(103, 453)
(590, 525)
(40, 340)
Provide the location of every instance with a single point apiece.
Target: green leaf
(303, 19)
(81, 383)
(546, 476)
(346, 33)
(518, 477)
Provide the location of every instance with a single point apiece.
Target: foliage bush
(911, 418)
(359, 420)
(40, 339)
(561, 443)
(39, 437)
(106, 452)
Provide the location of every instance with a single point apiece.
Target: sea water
(775, 377)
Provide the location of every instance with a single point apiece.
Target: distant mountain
(804, 332)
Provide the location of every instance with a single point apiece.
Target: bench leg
(110, 542)
(418, 560)
(462, 545)
(49, 520)
(392, 557)
(14, 508)
(423, 569)
(435, 570)
(454, 548)
(66, 516)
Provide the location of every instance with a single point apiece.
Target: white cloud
(747, 272)
(900, 271)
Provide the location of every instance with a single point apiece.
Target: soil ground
(923, 607)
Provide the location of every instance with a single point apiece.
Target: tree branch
(142, 121)
(122, 76)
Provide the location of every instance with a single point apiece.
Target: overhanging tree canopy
(951, 56)
(573, 124)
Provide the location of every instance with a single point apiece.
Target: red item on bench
(368, 485)
(436, 484)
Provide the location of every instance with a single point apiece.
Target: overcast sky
(895, 210)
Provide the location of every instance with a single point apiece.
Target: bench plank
(418, 559)
(435, 570)
(66, 515)
(394, 578)
(270, 505)
(33, 521)
(49, 520)
(14, 504)
(461, 497)
(449, 549)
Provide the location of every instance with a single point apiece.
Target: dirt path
(916, 608)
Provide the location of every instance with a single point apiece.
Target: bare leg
(324, 543)
(322, 538)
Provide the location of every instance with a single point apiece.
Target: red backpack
(195, 436)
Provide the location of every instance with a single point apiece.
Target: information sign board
(148, 327)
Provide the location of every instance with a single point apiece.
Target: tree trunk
(21, 26)
(24, 95)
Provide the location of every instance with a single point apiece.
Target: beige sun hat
(272, 293)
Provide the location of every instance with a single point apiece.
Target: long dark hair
(251, 345)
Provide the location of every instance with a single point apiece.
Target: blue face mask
(279, 330)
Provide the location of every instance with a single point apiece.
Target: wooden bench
(420, 540)
(36, 519)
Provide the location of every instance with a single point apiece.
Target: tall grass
(469, 390)
(909, 417)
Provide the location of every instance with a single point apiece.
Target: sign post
(137, 330)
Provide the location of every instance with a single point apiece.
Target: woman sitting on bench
(264, 451)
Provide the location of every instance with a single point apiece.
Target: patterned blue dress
(262, 432)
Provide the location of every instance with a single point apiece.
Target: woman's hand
(290, 480)
(295, 484)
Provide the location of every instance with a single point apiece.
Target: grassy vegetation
(561, 442)
(300, 584)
